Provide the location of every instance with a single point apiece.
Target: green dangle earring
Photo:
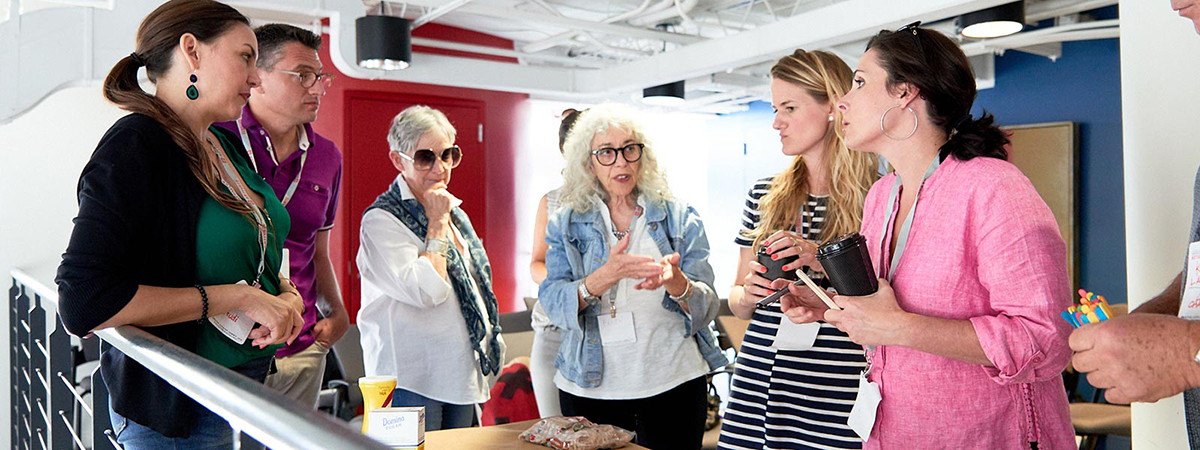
(192, 92)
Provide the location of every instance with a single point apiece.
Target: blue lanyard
(906, 227)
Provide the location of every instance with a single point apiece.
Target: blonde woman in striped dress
(791, 390)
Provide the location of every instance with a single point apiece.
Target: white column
(1160, 96)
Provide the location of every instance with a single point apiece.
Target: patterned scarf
(412, 214)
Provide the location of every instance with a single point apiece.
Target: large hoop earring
(884, 116)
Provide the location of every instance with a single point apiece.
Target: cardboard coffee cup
(847, 264)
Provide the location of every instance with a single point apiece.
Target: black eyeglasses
(423, 159)
(607, 156)
(912, 30)
(308, 79)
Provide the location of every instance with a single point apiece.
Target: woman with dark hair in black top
(173, 228)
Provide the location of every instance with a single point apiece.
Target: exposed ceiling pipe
(683, 14)
(628, 52)
(1100, 29)
(557, 39)
(717, 98)
(1049, 9)
(519, 15)
(600, 45)
(662, 5)
(481, 49)
(714, 20)
(651, 19)
(1025, 44)
(439, 12)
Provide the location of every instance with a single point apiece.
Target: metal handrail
(249, 406)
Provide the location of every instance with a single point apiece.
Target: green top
(227, 252)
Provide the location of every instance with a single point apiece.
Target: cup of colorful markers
(1092, 308)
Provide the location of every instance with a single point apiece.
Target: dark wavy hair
(564, 127)
(940, 70)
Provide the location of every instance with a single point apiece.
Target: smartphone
(776, 296)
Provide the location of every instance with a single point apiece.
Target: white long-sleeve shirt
(410, 322)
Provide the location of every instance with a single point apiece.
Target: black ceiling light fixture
(384, 42)
(993, 22)
(670, 94)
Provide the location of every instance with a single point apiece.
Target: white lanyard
(260, 217)
(287, 196)
(906, 227)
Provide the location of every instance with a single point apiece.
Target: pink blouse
(984, 247)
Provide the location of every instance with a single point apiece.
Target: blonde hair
(826, 78)
(580, 187)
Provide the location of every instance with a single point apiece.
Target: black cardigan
(138, 208)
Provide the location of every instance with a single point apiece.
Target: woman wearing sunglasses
(428, 313)
(630, 287)
(965, 345)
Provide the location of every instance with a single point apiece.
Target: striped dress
(791, 399)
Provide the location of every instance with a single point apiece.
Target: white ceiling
(592, 50)
(723, 48)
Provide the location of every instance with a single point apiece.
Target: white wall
(41, 156)
(1161, 105)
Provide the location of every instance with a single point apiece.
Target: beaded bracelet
(204, 300)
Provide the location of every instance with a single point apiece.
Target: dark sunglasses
(607, 156)
(911, 29)
(423, 159)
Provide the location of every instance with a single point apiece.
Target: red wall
(501, 116)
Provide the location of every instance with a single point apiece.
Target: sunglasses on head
(423, 159)
(912, 30)
(607, 156)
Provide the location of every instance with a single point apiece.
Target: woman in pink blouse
(968, 345)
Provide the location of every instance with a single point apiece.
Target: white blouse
(410, 321)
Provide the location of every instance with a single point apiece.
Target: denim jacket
(578, 246)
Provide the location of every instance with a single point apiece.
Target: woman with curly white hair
(630, 286)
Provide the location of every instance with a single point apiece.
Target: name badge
(617, 330)
(1189, 308)
(862, 416)
(796, 336)
(235, 325)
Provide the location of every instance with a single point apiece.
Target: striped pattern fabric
(791, 399)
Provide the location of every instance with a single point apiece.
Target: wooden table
(497, 437)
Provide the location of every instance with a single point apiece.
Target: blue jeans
(438, 415)
(209, 431)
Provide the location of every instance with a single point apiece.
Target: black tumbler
(847, 264)
(775, 267)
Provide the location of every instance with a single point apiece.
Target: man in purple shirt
(305, 171)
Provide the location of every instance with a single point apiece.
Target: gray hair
(580, 188)
(412, 123)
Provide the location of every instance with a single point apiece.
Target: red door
(368, 172)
